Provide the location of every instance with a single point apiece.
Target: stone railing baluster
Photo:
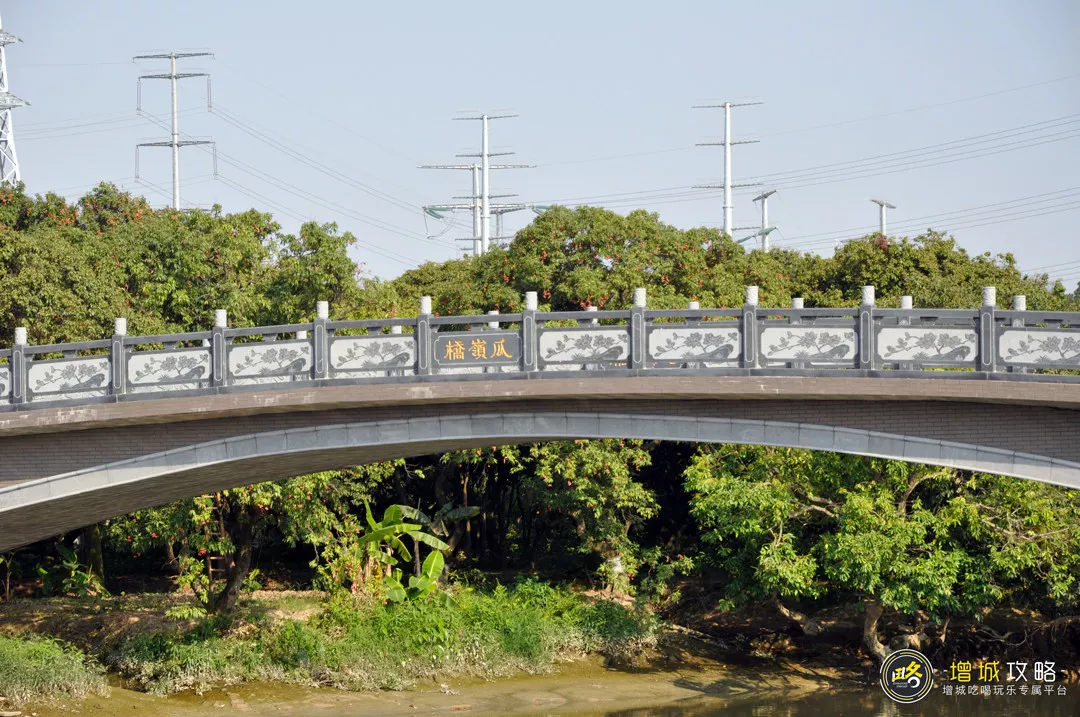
(320, 348)
(528, 332)
(987, 331)
(866, 351)
(749, 329)
(18, 367)
(637, 331)
(907, 303)
(118, 358)
(219, 359)
(424, 353)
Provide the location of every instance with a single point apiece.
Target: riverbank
(582, 687)
(158, 643)
(282, 644)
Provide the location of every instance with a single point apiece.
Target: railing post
(493, 325)
(589, 322)
(693, 306)
(219, 350)
(528, 332)
(424, 353)
(118, 359)
(749, 328)
(637, 331)
(18, 367)
(866, 350)
(907, 303)
(320, 342)
(987, 351)
(1019, 303)
(797, 304)
(794, 318)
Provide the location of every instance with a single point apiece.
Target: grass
(36, 668)
(364, 645)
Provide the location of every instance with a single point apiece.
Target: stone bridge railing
(696, 341)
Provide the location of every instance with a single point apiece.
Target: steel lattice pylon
(9, 161)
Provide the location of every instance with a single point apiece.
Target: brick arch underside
(37, 509)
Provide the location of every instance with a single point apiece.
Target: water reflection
(866, 704)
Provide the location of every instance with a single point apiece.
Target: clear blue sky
(603, 89)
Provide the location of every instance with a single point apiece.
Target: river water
(585, 689)
(868, 703)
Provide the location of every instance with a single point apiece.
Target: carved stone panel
(1052, 348)
(927, 345)
(590, 348)
(277, 362)
(176, 370)
(372, 356)
(813, 346)
(5, 382)
(68, 379)
(697, 345)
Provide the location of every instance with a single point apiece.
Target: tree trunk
(91, 549)
(807, 625)
(870, 636)
(239, 569)
(170, 555)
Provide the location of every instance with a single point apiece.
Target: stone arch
(48, 506)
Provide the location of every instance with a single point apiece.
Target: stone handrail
(980, 343)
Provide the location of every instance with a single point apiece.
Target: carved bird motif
(957, 354)
(837, 351)
(93, 382)
(720, 351)
(399, 360)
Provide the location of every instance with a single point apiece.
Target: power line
(235, 121)
(281, 184)
(315, 199)
(307, 108)
(839, 123)
(680, 194)
(989, 208)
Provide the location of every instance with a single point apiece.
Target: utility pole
(480, 199)
(882, 205)
(727, 144)
(175, 142)
(474, 200)
(485, 176)
(765, 230)
(9, 161)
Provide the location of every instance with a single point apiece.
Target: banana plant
(389, 531)
(419, 586)
(438, 523)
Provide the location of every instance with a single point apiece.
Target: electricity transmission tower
(480, 199)
(727, 144)
(175, 142)
(9, 161)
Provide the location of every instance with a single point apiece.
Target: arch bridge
(98, 429)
